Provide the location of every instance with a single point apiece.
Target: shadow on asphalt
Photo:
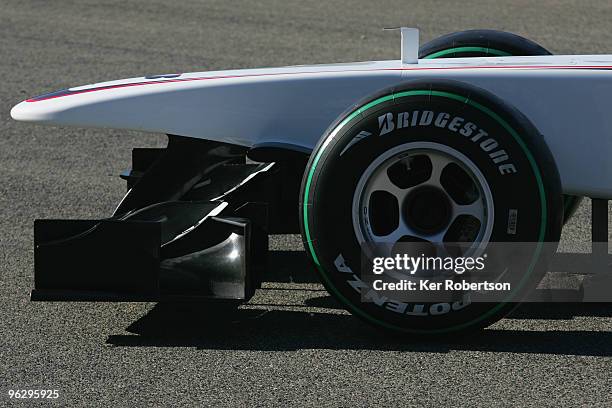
(188, 325)
(176, 325)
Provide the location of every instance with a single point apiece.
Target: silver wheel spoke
(476, 210)
(381, 182)
(438, 163)
(393, 237)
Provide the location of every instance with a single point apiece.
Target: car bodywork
(566, 97)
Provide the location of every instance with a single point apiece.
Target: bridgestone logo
(387, 123)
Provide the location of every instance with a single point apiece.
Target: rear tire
(490, 43)
(480, 43)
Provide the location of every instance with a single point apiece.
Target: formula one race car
(478, 137)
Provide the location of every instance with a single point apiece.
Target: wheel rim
(423, 192)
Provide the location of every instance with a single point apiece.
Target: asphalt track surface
(292, 344)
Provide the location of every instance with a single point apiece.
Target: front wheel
(436, 162)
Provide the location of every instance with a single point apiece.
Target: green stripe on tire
(372, 104)
(458, 50)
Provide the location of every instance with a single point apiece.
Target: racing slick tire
(491, 43)
(450, 125)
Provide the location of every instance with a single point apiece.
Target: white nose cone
(32, 112)
(38, 111)
(20, 111)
